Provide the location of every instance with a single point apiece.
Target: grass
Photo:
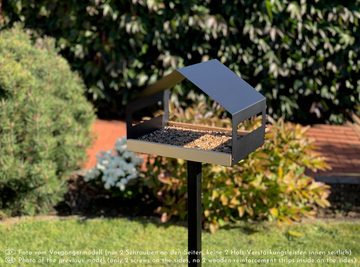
(58, 242)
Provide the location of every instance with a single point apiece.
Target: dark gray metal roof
(215, 80)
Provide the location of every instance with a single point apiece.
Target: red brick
(106, 132)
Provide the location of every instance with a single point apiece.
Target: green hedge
(303, 55)
(44, 124)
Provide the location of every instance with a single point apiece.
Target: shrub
(270, 184)
(116, 170)
(44, 123)
(303, 55)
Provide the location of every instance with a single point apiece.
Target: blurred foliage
(270, 184)
(303, 55)
(44, 124)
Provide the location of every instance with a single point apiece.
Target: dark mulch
(86, 200)
(345, 202)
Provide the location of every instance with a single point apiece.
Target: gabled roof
(217, 81)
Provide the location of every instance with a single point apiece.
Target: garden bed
(84, 199)
(345, 202)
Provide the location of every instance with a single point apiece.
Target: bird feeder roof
(217, 81)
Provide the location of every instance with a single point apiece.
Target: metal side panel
(171, 151)
(248, 143)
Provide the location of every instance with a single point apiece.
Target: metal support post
(194, 213)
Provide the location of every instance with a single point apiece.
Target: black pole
(194, 213)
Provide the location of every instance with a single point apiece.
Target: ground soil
(345, 202)
(88, 200)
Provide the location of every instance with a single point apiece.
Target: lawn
(116, 242)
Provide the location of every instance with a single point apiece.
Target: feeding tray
(199, 143)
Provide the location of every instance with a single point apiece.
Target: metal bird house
(225, 146)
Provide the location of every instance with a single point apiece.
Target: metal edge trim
(171, 151)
